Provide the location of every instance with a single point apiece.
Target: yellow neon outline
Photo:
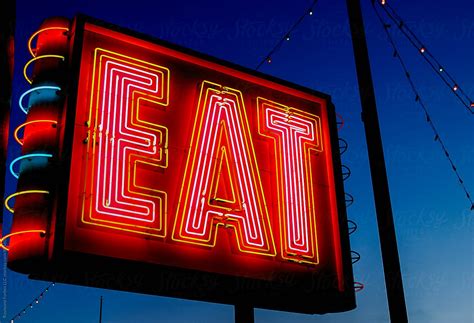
(16, 233)
(35, 59)
(133, 106)
(30, 40)
(15, 133)
(9, 197)
(307, 148)
(162, 100)
(206, 87)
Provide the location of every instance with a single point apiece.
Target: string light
(30, 304)
(425, 110)
(286, 36)
(429, 58)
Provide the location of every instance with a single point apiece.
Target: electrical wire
(286, 36)
(437, 137)
(437, 67)
(30, 305)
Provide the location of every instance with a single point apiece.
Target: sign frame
(104, 272)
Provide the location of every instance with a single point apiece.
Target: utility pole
(100, 312)
(383, 206)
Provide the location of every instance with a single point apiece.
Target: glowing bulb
(269, 60)
(455, 87)
(382, 2)
(287, 37)
(422, 50)
(311, 12)
(441, 69)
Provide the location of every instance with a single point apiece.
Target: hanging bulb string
(286, 36)
(30, 305)
(437, 137)
(437, 67)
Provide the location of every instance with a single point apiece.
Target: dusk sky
(432, 215)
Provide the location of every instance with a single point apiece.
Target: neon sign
(174, 162)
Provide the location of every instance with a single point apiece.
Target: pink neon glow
(222, 112)
(117, 140)
(295, 135)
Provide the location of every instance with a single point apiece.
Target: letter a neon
(221, 148)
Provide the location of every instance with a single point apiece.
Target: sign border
(65, 266)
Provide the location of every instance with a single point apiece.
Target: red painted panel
(184, 162)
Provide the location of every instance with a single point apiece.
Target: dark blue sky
(434, 224)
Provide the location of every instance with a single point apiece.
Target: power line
(437, 67)
(35, 301)
(437, 137)
(286, 36)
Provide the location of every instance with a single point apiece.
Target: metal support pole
(100, 312)
(244, 314)
(386, 228)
